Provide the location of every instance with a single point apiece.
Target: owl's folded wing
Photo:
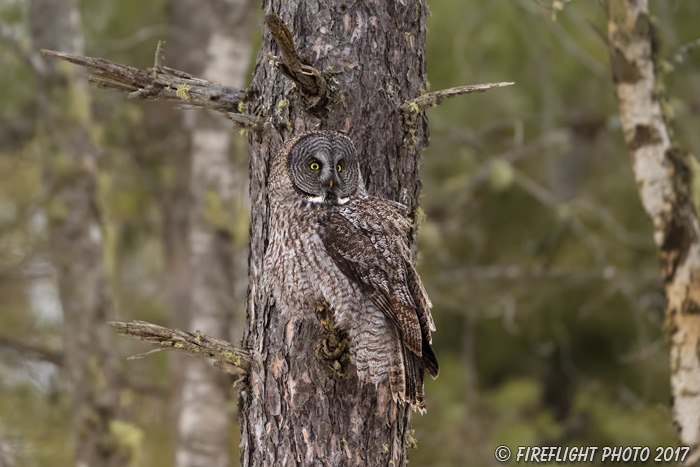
(368, 243)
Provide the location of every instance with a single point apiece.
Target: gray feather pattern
(333, 242)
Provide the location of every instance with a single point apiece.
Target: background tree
(664, 177)
(75, 238)
(211, 40)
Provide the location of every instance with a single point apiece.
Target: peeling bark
(663, 179)
(75, 238)
(295, 410)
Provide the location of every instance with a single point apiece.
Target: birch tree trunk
(222, 29)
(75, 237)
(294, 411)
(664, 181)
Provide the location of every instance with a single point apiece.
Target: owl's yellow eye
(315, 166)
(339, 168)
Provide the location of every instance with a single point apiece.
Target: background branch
(56, 357)
(42, 353)
(13, 39)
(230, 358)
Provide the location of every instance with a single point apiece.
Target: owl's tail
(415, 393)
(406, 375)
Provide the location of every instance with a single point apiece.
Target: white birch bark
(204, 429)
(663, 178)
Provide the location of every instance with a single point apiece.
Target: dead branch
(230, 358)
(295, 67)
(37, 351)
(164, 84)
(430, 99)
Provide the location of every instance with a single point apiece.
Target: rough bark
(663, 178)
(294, 409)
(75, 238)
(221, 29)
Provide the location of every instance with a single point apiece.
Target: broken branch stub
(430, 99)
(230, 358)
(295, 67)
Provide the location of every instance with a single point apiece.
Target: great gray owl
(330, 241)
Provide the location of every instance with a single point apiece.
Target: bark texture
(663, 178)
(295, 410)
(216, 45)
(75, 237)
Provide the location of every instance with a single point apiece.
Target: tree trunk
(293, 410)
(7, 453)
(664, 181)
(223, 29)
(75, 237)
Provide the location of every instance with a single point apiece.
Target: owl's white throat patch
(323, 198)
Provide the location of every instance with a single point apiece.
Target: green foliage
(130, 438)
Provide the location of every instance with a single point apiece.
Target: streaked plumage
(330, 241)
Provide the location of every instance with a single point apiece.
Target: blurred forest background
(534, 247)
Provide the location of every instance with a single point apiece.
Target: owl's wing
(368, 241)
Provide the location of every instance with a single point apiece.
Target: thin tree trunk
(222, 28)
(294, 411)
(7, 453)
(75, 237)
(663, 178)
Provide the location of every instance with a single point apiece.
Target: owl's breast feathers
(368, 241)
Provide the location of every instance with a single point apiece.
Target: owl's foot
(333, 347)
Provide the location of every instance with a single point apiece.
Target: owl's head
(323, 167)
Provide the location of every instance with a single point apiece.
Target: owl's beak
(330, 184)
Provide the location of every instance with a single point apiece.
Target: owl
(332, 242)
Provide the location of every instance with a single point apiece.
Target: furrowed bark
(220, 29)
(663, 178)
(295, 410)
(75, 239)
